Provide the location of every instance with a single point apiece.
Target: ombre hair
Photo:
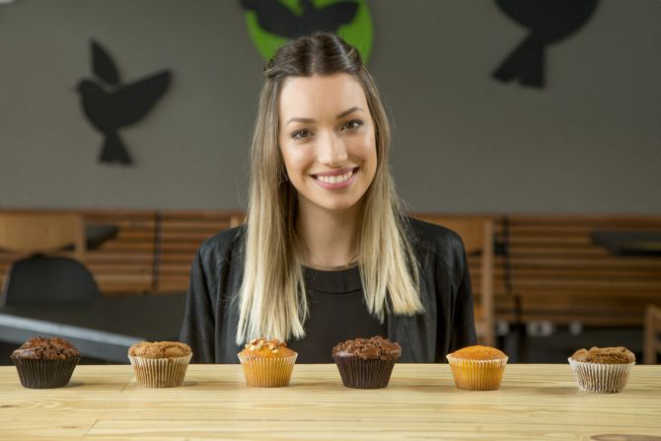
(272, 299)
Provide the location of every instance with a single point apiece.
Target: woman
(326, 254)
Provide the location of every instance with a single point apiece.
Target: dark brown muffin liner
(45, 374)
(358, 373)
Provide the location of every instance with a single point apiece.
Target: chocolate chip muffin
(160, 364)
(267, 363)
(366, 363)
(602, 370)
(44, 363)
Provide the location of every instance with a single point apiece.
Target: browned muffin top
(369, 348)
(263, 348)
(479, 352)
(618, 355)
(160, 349)
(42, 348)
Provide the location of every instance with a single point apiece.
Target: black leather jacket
(210, 320)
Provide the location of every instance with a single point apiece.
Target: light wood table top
(421, 402)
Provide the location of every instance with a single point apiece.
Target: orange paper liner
(600, 378)
(477, 374)
(268, 372)
(160, 372)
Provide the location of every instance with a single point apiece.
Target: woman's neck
(329, 237)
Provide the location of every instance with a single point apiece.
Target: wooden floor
(535, 402)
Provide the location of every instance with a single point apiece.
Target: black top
(211, 317)
(338, 312)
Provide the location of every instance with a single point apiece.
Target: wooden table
(535, 402)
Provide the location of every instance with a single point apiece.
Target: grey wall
(588, 143)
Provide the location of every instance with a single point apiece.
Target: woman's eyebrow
(339, 115)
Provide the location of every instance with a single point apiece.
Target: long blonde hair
(272, 300)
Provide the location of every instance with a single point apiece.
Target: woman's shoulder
(428, 238)
(223, 245)
(432, 235)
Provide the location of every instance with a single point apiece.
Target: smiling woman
(326, 254)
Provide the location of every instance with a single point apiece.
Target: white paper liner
(268, 372)
(160, 372)
(477, 374)
(600, 378)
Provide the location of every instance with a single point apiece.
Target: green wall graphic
(350, 19)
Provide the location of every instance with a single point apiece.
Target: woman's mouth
(336, 181)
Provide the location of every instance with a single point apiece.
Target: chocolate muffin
(160, 364)
(366, 363)
(602, 370)
(44, 363)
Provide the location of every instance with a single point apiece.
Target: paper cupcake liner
(600, 378)
(364, 374)
(477, 374)
(268, 372)
(160, 372)
(45, 374)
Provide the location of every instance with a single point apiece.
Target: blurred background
(530, 127)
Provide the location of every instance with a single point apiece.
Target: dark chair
(41, 280)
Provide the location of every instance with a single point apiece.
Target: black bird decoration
(276, 18)
(110, 105)
(549, 21)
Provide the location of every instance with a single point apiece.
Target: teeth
(335, 179)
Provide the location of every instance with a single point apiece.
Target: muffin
(44, 363)
(267, 363)
(602, 370)
(477, 367)
(366, 363)
(160, 364)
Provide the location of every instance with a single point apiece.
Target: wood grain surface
(421, 402)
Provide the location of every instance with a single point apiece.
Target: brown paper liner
(160, 372)
(268, 372)
(358, 373)
(600, 378)
(477, 374)
(45, 374)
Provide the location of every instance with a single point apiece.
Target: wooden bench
(553, 271)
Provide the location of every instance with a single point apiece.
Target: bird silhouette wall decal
(275, 17)
(110, 105)
(549, 21)
(271, 23)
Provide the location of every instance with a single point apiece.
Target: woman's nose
(331, 150)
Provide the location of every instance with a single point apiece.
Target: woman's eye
(353, 124)
(300, 134)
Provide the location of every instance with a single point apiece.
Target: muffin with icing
(602, 370)
(477, 367)
(160, 364)
(267, 363)
(366, 363)
(44, 363)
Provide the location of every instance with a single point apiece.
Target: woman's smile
(336, 180)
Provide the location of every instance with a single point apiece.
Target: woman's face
(327, 140)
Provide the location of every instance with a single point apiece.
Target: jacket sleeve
(198, 328)
(463, 332)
